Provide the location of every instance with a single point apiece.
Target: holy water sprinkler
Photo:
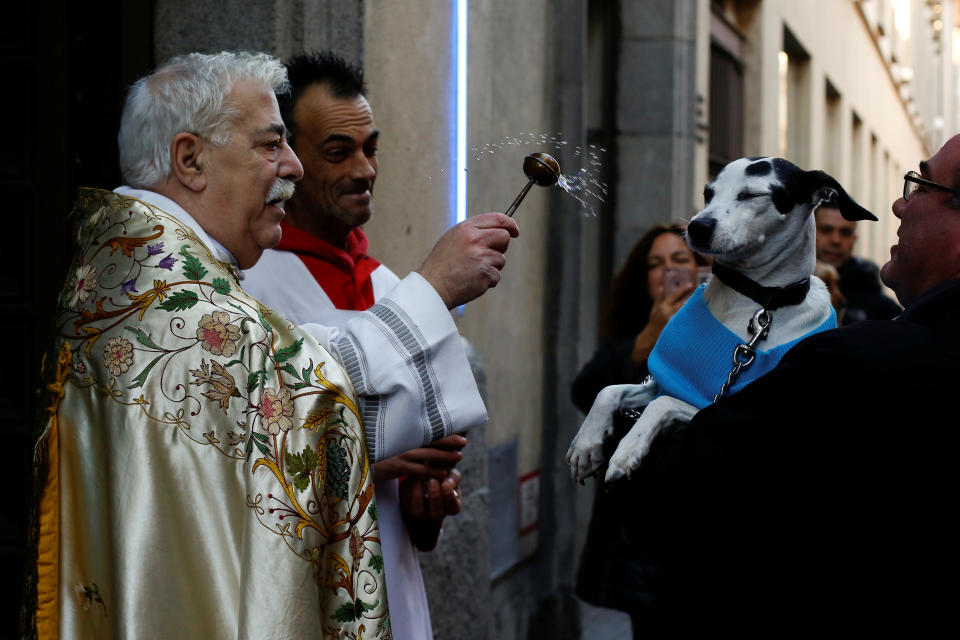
(542, 169)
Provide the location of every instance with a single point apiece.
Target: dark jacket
(821, 496)
(611, 364)
(860, 285)
(613, 572)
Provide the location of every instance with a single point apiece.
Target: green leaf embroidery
(191, 266)
(289, 369)
(263, 443)
(140, 379)
(346, 613)
(253, 380)
(220, 285)
(263, 321)
(239, 359)
(372, 510)
(239, 308)
(243, 324)
(288, 352)
(300, 465)
(179, 301)
(377, 563)
(143, 338)
(306, 371)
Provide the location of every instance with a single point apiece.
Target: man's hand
(467, 259)
(423, 463)
(425, 503)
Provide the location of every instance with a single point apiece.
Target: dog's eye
(707, 195)
(749, 195)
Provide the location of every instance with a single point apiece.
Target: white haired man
(204, 471)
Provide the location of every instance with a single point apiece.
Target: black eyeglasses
(913, 180)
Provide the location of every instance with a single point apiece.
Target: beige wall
(407, 51)
(837, 36)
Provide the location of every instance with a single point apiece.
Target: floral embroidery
(223, 386)
(276, 407)
(83, 283)
(79, 367)
(309, 486)
(217, 335)
(118, 355)
(168, 262)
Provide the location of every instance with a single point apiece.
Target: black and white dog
(758, 226)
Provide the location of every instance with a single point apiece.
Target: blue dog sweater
(694, 354)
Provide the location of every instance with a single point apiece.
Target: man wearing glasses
(823, 496)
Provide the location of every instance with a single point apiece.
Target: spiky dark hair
(324, 67)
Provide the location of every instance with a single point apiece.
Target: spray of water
(585, 185)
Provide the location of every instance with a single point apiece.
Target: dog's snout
(700, 231)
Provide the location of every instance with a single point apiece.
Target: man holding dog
(204, 471)
(818, 497)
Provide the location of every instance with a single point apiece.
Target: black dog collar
(769, 298)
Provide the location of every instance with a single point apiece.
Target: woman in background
(637, 311)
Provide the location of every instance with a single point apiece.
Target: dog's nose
(700, 232)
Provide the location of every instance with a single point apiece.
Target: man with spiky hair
(329, 278)
(204, 470)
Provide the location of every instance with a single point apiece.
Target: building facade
(649, 98)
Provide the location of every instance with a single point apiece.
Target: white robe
(283, 282)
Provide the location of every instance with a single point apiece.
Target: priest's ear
(187, 160)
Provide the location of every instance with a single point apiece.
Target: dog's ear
(821, 187)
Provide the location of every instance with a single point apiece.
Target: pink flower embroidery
(217, 335)
(276, 407)
(82, 284)
(78, 365)
(118, 355)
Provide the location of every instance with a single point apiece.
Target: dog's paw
(620, 466)
(626, 459)
(585, 456)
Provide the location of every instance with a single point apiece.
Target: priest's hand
(433, 461)
(425, 503)
(467, 259)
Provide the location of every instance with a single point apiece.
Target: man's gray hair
(189, 93)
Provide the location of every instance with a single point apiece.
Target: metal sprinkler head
(541, 169)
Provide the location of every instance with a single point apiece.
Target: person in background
(637, 311)
(859, 278)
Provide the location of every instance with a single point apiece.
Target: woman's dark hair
(628, 307)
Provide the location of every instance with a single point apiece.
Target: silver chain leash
(745, 354)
